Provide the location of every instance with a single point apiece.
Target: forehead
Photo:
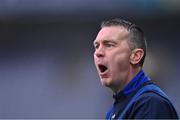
(112, 33)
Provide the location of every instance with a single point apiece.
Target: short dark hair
(137, 37)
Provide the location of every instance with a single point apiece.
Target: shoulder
(152, 98)
(153, 105)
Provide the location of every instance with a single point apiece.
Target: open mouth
(102, 68)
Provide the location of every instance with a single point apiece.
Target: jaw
(109, 83)
(105, 82)
(115, 83)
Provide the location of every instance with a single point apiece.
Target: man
(120, 50)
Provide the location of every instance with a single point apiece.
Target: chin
(106, 83)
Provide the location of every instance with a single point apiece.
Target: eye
(109, 45)
(96, 46)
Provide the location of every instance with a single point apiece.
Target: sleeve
(152, 106)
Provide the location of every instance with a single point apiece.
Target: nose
(99, 52)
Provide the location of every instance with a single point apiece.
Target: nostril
(99, 53)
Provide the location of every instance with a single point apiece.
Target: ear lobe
(136, 56)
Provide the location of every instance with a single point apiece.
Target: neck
(132, 72)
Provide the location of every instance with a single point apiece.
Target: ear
(136, 56)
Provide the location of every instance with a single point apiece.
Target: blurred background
(46, 54)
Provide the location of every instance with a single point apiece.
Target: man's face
(112, 55)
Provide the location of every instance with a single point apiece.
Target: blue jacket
(141, 99)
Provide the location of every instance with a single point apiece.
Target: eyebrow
(105, 41)
(109, 41)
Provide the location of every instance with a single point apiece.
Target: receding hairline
(122, 32)
(126, 26)
(117, 22)
(120, 26)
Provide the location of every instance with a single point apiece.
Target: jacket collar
(137, 81)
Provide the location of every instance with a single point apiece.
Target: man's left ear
(136, 56)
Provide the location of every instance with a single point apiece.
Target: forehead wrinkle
(122, 33)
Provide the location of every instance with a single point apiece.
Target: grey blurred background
(46, 54)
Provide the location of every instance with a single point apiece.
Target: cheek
(94, 59)
(120, 62)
